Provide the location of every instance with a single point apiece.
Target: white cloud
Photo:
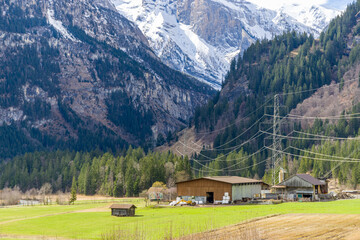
(341, 5)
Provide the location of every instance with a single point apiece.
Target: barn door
(210, 197)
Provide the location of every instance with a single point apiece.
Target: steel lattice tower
(276, 152)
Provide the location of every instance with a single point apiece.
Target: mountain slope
(292, 65)
(317, 84)
(202, 37)
(77, 74)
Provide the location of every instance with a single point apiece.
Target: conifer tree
(73, 191)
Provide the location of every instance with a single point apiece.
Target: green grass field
(92, 220)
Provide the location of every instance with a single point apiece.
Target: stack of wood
(343, 195)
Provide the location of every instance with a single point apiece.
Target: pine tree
(73, 191)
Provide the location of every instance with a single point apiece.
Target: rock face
(73, 69)
(200, 37)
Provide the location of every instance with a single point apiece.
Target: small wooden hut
(122, 210)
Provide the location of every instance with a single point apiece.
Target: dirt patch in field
(99, 209)
(81, 197)
(33, 237)
(290, 226)
(28, 218)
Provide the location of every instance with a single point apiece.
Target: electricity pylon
(276, 152)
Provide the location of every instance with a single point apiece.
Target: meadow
(92, 220)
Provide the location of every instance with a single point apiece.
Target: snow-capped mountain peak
(201, 37)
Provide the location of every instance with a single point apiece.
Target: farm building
(213, 189)
(122, 210)
(301, 186)
(161, 194)
(156, 193)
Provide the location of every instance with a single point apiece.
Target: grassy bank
(93, 220)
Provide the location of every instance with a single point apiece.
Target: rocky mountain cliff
(76, 73)
(201, 37)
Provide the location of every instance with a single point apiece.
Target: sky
(275, 4)
(337, 4)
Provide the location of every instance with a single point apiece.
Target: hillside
(288, 64)
(78, 75)
(313, 78)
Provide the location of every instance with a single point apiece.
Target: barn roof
(310, 179)
(122, 206)
(228, 179)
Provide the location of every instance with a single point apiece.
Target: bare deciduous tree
(62, 198)
(45, 192)
(10, 196)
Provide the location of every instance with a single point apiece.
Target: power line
(321, 137)
(280, 94)
(319, 159)
(234, 123)
(276, 130)
(322, 118)
(298, 138)
(324, 86)
(336, 116)
(236, 159)
(237, 147)
(231, 148)
(324, 136)
(234, 170)
(195, 160)
(339, 164)
(325, 155)
(239, 169)
(297, 117)
(289, 117)
(256, 122)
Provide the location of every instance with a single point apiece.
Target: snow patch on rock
(59, 26)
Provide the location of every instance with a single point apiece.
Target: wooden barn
(301, 186)
(213, 189)
(122, 210)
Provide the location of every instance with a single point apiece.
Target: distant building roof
(122, 206)
(229, 179)
(310, 179)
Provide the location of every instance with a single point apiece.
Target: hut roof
(155, 190)
(310, 179)
(122, 206)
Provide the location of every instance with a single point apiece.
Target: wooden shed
(122, 210)
(211, 189)
(156, 193)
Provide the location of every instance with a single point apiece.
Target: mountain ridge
(85, 77)
(201, 38)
